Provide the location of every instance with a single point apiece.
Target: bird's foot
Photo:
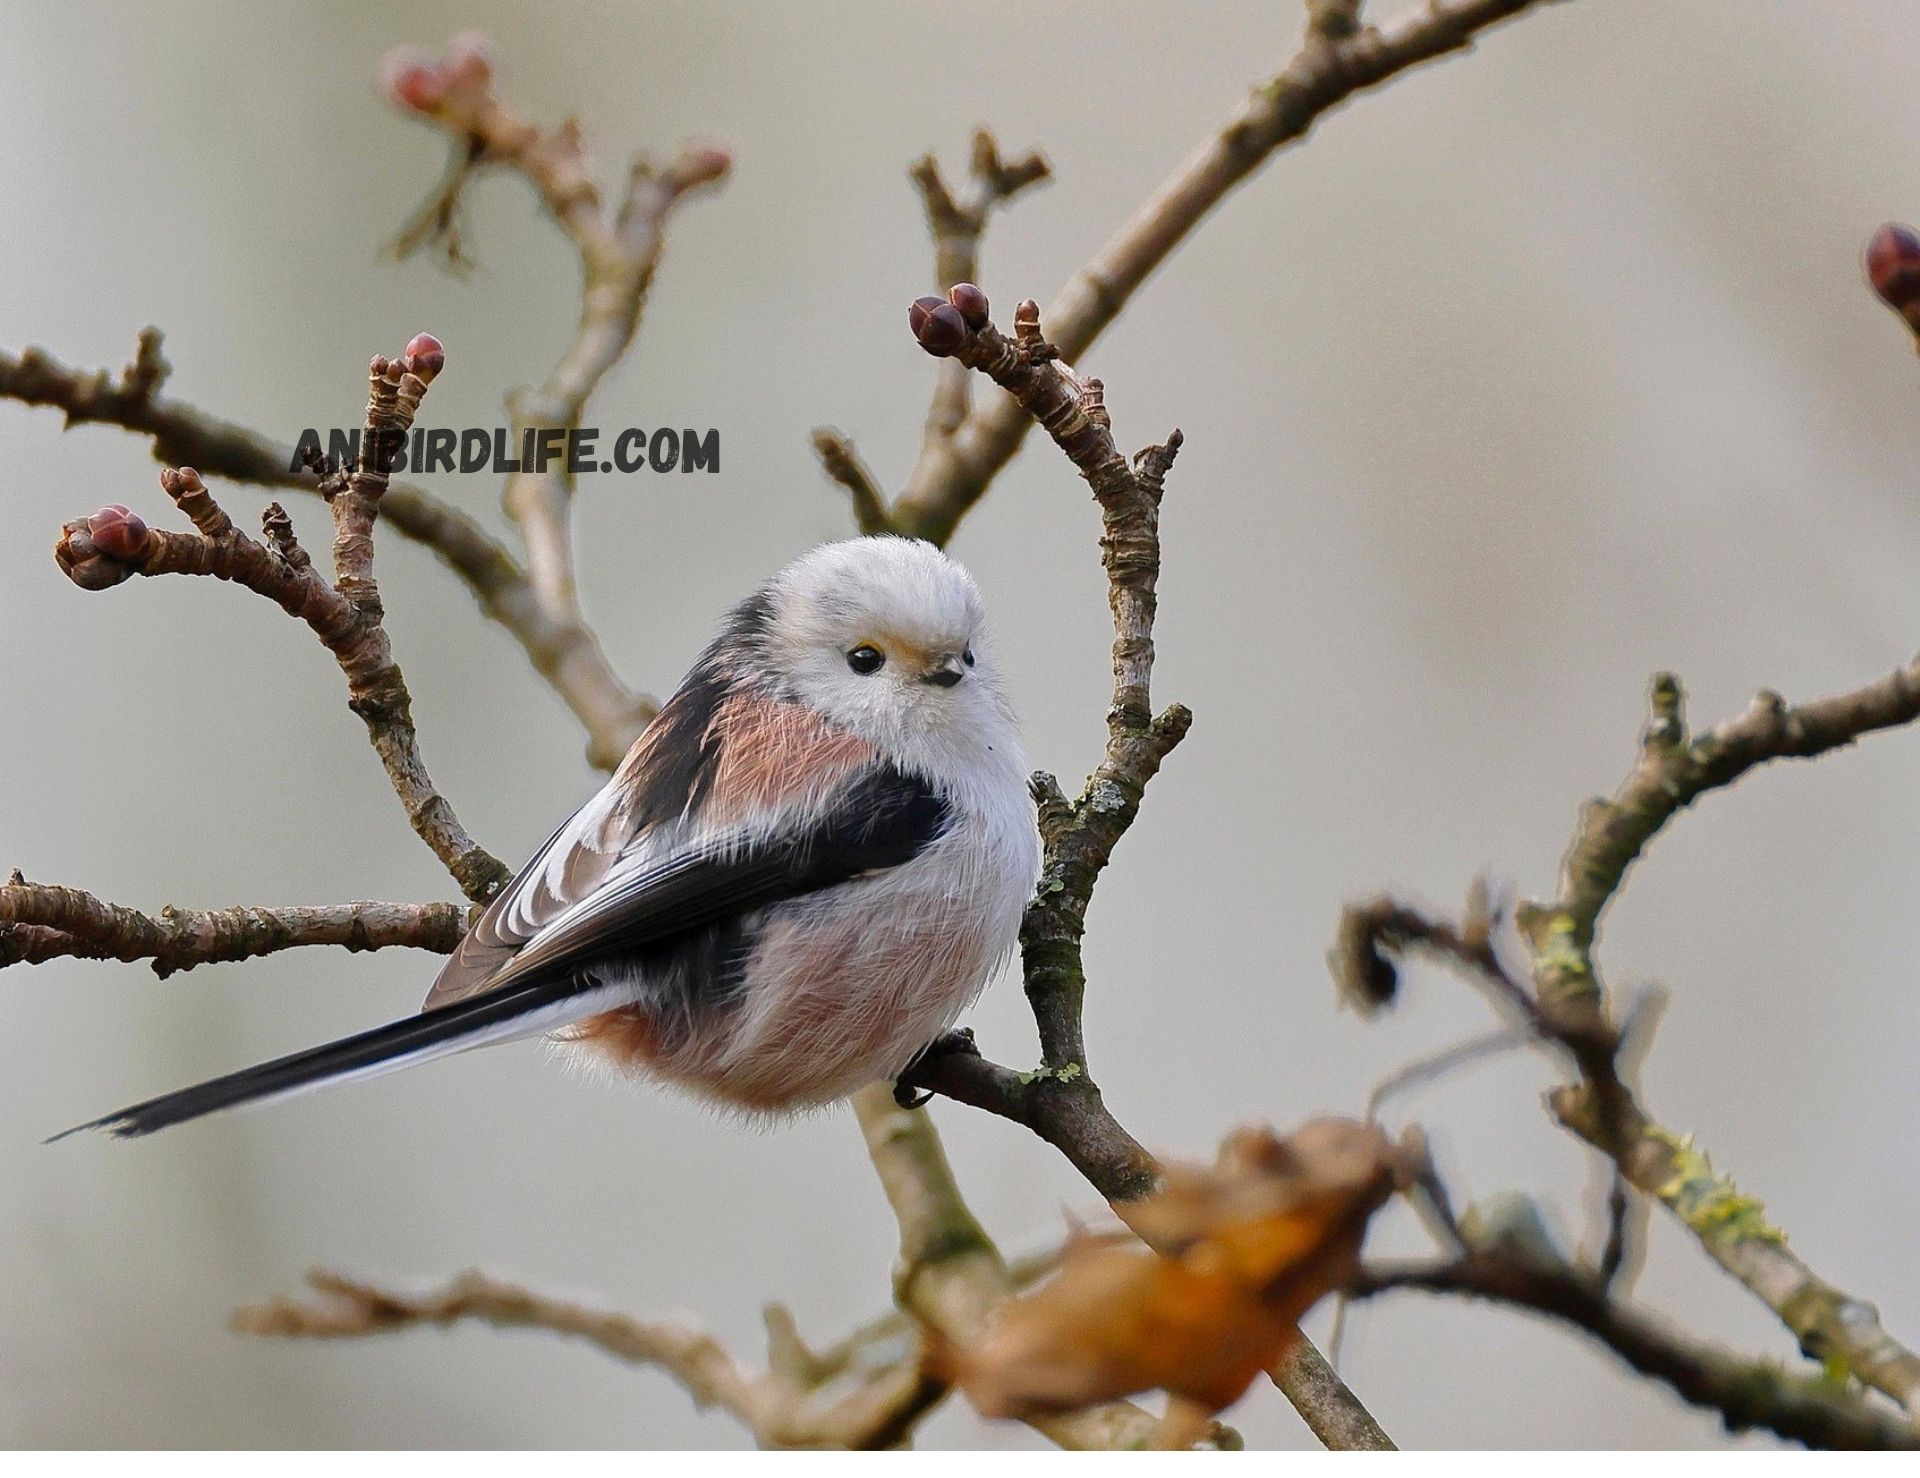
(960, 1040)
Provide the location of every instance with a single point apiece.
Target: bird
(804, 870)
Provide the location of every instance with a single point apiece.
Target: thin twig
(841, 462)
(953, 473)
(619, 249)
(114, 545)
(957, 222)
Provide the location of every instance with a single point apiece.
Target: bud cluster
(943, 325)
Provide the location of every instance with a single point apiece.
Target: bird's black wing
(882, 818)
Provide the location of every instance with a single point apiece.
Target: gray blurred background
(1538, 370)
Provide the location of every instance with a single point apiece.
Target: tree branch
(1831, 1325)
(40, 922)
(1060, 1101)
(1745, 1393)
(1673, 771)
(779, 1410)
(113, 545)
(183, 436)
(957, 221)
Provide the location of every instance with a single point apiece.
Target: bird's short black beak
(945, 674)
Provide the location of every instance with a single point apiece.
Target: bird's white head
(886, 637)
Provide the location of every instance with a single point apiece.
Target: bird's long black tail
(517, 1011)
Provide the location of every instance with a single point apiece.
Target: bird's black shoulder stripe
(682, 762)
(747, 624)
(886, 817)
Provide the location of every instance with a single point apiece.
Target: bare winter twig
(957, 221)
(1060, 1100)
(1675, 769)
(1338, 59)
(114, 544)
(1603, 1108)
(183, 436)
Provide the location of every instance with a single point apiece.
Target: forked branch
(115, 544)
(1337, 59)
(619, 246)
(1060, 1100)
(780, 1405)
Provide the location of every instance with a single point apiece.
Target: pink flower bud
(81, 560)
(426, 356)
(118, 532)
(1893, 270)
(937, 325)
(412, 81)
(470, 62)
(702, 162)
(179, 481)
(971, 302)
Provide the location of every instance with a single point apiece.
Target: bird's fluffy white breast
(848, 984)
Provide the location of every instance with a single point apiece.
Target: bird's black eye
(865, 659)
(967, 656)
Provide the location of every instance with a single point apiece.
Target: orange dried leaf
(1248, 1246)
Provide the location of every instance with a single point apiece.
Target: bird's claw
(958, 1041)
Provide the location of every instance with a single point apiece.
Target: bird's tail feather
(517, 1011)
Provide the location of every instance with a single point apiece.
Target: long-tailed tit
(803, 871)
